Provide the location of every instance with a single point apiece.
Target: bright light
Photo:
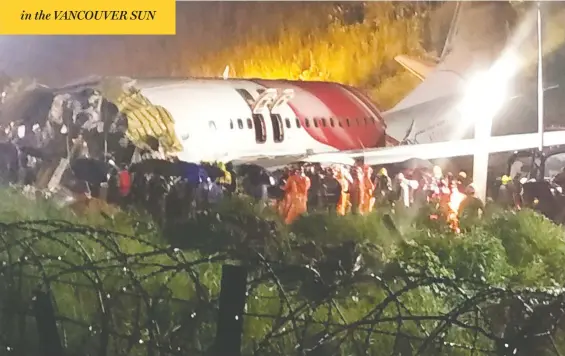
(486, 95)
(487, 91)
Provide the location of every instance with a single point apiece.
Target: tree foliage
(356, 45)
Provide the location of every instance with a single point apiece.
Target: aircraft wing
(272, 162)
(427, 151)
(419, 68)
(449, 149)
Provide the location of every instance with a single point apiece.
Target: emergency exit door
(260, 130)
(276, 120)
(278, 128)
(259, 107)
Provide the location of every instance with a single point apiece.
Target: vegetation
(356, 45)
(324, 274)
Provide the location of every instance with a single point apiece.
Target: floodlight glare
(487, 90)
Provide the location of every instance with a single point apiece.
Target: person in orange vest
(295, 202)
(369, 189)
(357, 194)
(455, 200)
(343, 202)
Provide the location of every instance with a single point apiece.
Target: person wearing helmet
(462, 181)
(505, 192)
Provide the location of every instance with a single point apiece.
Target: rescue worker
(383, 185)
(231, 187)
(471, 206)
(226, 179)
(462, 181)
(455, 200)
(315, 192)
(331, 189)
(505, 192)
(296, 196)
(343, 201)
(442, 190)
(357, 191)
(369, 189)
(278, 191)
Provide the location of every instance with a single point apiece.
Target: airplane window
(366, 121)
(373, 120)
(340, 123)
(307, 122)
(249, 124)
(324, 122)
(212, 125)
(348, 122)
(240, 123)
(287, 123)
(298, 122)
(316, 122)
(231, 124)
(332, 122)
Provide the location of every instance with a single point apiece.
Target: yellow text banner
(90, 17)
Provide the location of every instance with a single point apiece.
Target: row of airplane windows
(316, 122)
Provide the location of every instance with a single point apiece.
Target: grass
(141, 288)
(350, 52)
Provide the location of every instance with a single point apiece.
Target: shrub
(307, 280)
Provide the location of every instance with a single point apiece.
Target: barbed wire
(114, 294)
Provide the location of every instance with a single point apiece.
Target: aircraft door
(276, 117)
(260, 128)
(259, 108)
(278, 128)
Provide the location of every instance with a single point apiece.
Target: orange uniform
(296, 197)
(455, 199)
(343, 202)
(357, 195)
(369, 190)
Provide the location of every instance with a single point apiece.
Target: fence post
(230, 316)
(47, 325)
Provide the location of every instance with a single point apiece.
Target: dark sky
(202, 28)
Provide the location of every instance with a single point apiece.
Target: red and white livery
(238, 119)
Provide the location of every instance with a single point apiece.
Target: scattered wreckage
(105, 121)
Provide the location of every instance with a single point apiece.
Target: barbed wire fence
(75, 290)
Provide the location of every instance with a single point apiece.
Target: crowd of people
(361, 188)
(61, 131)
(291, 191)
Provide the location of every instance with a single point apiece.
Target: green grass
(301, 277)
